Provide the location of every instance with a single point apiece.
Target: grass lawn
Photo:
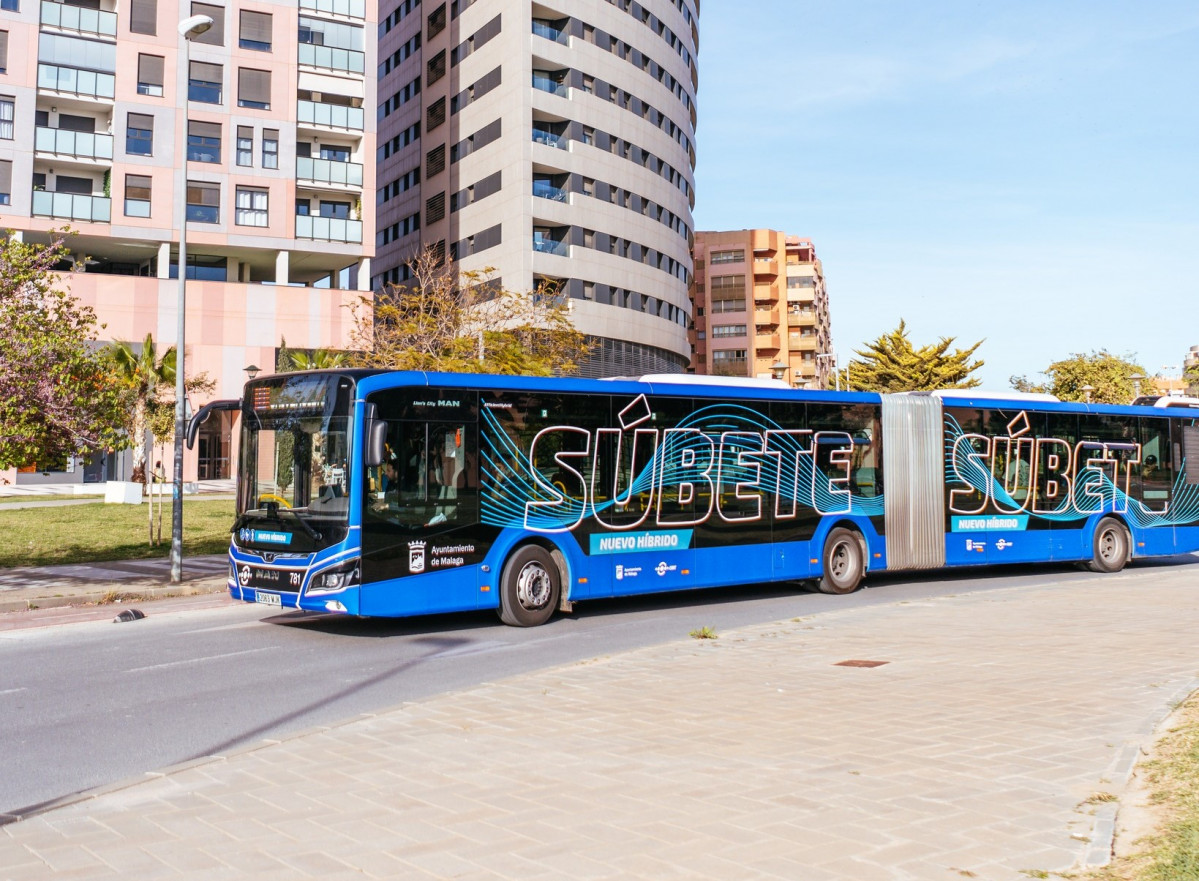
(95, 532)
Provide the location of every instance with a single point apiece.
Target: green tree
(1109, 377)
(450, 320)
(892, 364)
(56, 397)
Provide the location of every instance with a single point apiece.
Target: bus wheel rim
(533, 586)
(1108, 544)
(840, 560)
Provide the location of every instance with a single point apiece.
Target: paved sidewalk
(976, 750)
(45, 587)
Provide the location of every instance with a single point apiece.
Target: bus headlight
(336, 579)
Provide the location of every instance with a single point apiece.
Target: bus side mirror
(376, 437)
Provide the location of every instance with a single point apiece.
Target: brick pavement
(975, 751)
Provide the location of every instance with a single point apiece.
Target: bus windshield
(293, 474)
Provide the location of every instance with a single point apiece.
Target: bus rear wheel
(1109, 549)
(844, 562)
(529, 587)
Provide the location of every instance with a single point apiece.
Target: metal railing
(328, 171)
(329, 115)
(328, 229)
(74, 206)
(77, 18)
(85, 145)
(76, 81)
(549, 246)
(550, 32)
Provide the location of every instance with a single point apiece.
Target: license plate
(269, 599)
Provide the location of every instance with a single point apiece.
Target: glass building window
(270, 148)
(204, 82)
(245, 145)
(255, 31)
(203, 202)
(203, 141)
(137, 195)
(149, 75)
(251, 207)
(139, 134)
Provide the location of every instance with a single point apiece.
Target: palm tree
(145, 375)
(319, 359)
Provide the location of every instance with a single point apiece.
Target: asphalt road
(86, 704)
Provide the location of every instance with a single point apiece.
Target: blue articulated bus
(381, 493)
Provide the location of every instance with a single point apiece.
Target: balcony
(546, 190)
(81, 145)
(329, 229)
(329, 115)
(546, 84)
(332, 58)
(541, 136)
(96, 22)
(72, 206)
(74, 81)
(768, 341)
(549, 31)
(766, 267)
(550, 246)
(348, 8)
(327, 171)
(766, 316)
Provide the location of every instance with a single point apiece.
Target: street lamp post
(778, 370)
(1136, 384)
(189, 29)
(1086, 390)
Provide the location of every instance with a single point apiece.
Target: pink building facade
(278, 143)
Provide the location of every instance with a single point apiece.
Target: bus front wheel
(844, 562)
(1109, 549)
(529, 587)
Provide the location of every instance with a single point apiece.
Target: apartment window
(143, 17)
(203, 141)
(255, 32)
(245, 145)
(270, 148)
(7, 114)
(10, 5)
(139, 134)
(720, 330)
(215, 35)
(3, 51)
(149, 75)
(5, 182)
(336, 210)
(251, 207)
(733, 256)
(204, 82)
(588, 135)
(137, 195)
(203, 202)
(435, 68)
(254, 88)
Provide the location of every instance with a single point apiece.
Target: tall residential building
(761, 308)
(555, 142)
(278, 135)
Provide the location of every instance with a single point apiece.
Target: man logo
(416, 556)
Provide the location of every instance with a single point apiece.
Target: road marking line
(13, 690)
(200, 660)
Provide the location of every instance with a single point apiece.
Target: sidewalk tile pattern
(973, 752)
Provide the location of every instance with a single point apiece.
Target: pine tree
(892, 364)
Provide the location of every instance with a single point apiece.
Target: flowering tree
(56, 397)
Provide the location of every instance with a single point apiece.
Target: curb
(120, 593)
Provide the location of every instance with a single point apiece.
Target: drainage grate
(860, 663)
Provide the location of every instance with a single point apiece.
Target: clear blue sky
(1025, 172)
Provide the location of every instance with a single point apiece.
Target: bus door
(1152, 481)
(421, 511)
